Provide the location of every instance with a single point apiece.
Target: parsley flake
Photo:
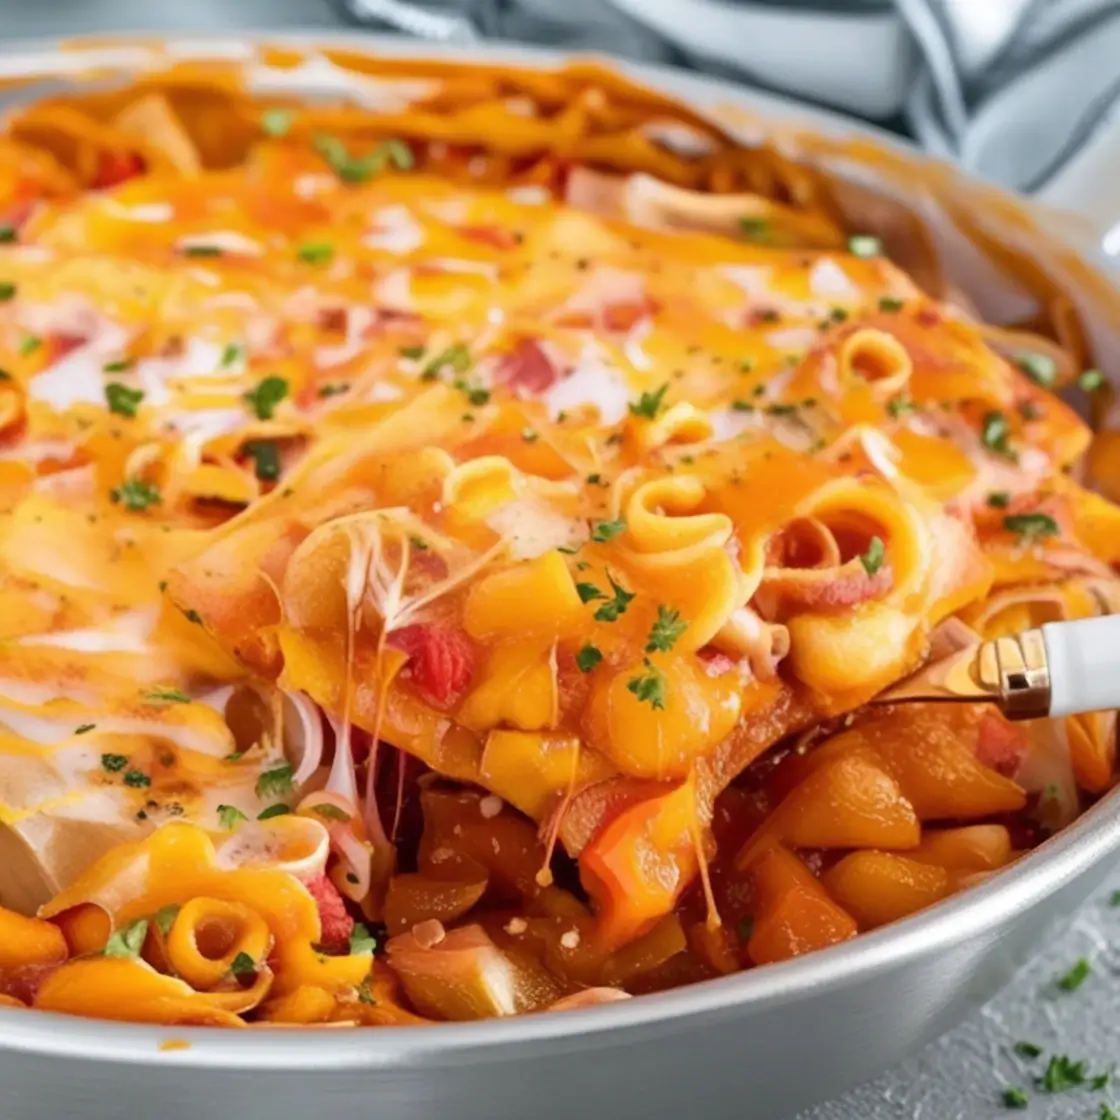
(361, 940)
(136, 494)
(84, 728)
(1090, 380)
(137, 779)
(7, 234)
(117, 366)
(899, 406)
(1061, 1074)
(266, 458)
(588, 592)
(277, 810)
(1076, 976)
(999, 499)
(1014, 1097)
(456, 357)
(607, 530)
(275, 782)
(649, 687)
(1031, 526)
(995, 434)
(890, 304)
(588, 657)
(872, 559)
(864, 245)
(316, 252)
(276, 122)
(114, 762)
(199, 250)
(266, 396)
(7, 291)
(667, 628)
(127, 942)
(229, 815)
(359, 169)
(121, 399)
(334, 388)
(167, 696)
(1040, 368)
(165, 916)
(755, 229)
(1027, 1049)
(29, 344)
(330, 812)
(649, 404)
(242, 965)
(612, 610)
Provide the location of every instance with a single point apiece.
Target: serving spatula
(1058, 669)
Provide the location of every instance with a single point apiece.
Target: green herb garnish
(588, 657)
(229, 815)
(266, 458)
(121, 399)
(649, 404)
(266, 396)
(114, 762)
(667, 628)
(128, 942)
(1076, 976)
(872, 559)
(649, 687)
(614, 608)
(607, 530)
(275, 782)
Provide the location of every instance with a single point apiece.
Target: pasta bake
(450, 539)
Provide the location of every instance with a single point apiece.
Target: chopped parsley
(1100, 1082)
(475, 394)
(84, 728)
(266, 458)
(588, 657)
(276, 122)
(165, 916)
(242, 965)
(364, 993)
(1061, 1074)
(266, 396)
(838, 314)
(607, 530)
(995, 434)
(1027, 1049)
(330, 812)
(127, 942)
(275, 782)
(872, 559)
(1031, 526)
(316, 252)
(457, 357)
(1040, 368)
(999, 499)
(890, 304)
(755, 229)
(649, 687)
(899, 406)
(117, 366)
(413, 353)
(1090, 380)
(667, 628)
(1014, 1097)
(137, 779)
(121, 399)
(7, 291)
(359, 169)
(334, 388)
(530, 435)
(229, 815)
(418, 543)
(1108, 1113)
(114, 762)
(1076, 976)
(277, 810)
(1114, 899)
(361, 940)
(864, 245)
(7, 235)
(29, 344)
(594, 479)
(197, 250)
(191, 615)
(136, 494)
(740, 405)
(167, 696)
(649, 404)
(611, 610)
(588, 592)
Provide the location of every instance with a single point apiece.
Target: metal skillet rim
(974, 913)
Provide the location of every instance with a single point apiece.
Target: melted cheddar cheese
(438, 526)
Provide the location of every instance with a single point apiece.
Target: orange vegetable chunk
(793, 913)
(416, 898)
(976, 847)
(879, 887)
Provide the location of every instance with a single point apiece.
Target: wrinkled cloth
(1012, 89)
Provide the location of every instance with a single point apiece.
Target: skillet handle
(1084, 661)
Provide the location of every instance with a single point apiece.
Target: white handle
(1084, 659)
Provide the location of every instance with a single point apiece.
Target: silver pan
(757, 1046)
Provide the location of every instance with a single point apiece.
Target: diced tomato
(622, 317)
(1000, 744)
(61, 344)
(114, 168)
(494, 236)
(441, 659)
(337, 925)
(527, 367)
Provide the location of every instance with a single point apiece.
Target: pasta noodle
(448, 547)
